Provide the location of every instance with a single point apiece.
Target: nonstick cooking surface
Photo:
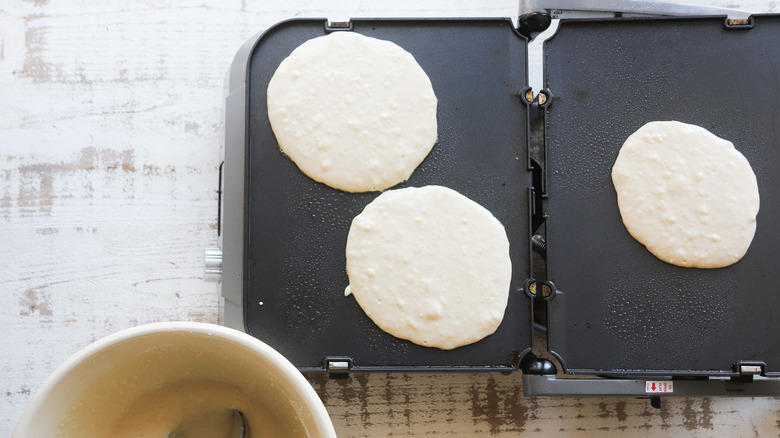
(618, 309)
(297, 228)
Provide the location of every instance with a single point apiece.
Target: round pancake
(689, 196)
(429, 265)
(353, 112)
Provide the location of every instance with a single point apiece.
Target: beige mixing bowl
(145, 379)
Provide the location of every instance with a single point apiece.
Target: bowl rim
(306, 390)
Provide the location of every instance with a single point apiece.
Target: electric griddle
(540, 161)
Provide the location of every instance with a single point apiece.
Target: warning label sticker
(659, 386)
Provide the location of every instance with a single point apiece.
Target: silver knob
(212, 258)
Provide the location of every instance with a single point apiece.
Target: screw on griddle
(532, 289)
(546, 291)
(541, 98)
(529, 95)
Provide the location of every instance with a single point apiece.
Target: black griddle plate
(297, 228)
(618, 309)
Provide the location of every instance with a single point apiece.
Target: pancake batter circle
(429, 265)
(353, 112)
(689, 196)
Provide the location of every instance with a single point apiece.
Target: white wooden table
(110, 126)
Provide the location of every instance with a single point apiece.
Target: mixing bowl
(148, 380)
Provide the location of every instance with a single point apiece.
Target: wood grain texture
(110, 127)
(470, 404)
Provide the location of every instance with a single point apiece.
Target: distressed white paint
(110, 124)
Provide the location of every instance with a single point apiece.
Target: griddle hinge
(541, 290)
(537, 136)
(533, 23)
(542, 98)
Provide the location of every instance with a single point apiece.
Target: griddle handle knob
(532, 24)
(540, 366)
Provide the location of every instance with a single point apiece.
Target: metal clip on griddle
(539, 375)
(536, 15)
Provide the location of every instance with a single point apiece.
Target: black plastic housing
(618, 310)
(296, 228)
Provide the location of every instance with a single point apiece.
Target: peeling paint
(39, 183)
(620, 411)
(504, 409)
(35, 67)
(35, 301)
(696, 418)
(191, 127)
